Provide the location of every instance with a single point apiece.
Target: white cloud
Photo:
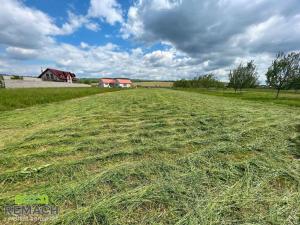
(106, 60)
(202, 36)
(84, 45)
(164, 4)
(160, 58)
(74, 22)
(133, 26)
(24, 27)
(109, 10)
(21, 26)
(92, 26)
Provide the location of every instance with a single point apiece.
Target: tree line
(283, 74)
(204, 81)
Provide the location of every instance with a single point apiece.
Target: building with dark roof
(57, 75)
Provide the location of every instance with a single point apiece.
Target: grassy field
(290, 98)
(21, 98)
(155, 156)
(154, 84)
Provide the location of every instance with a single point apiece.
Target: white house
(107, 82)
(123, 83)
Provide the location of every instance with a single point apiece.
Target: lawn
(290, 98)
(155, 156)
(21, 98)
(152, 84)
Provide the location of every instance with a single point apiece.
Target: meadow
(155, 156)
(21, 98)
(290, 97)
(154, 84)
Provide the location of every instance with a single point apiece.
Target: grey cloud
(21, 53)
(218, 31)
(199, 27)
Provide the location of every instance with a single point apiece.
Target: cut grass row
(20, 98)
(155, 157)
(153, 84)
(289, 98)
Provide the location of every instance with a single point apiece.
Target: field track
(154, 156)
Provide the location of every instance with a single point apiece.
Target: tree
(233, 80)
(208, 81)
(2, 83)
(204, 81)
(295, 83)
(243, 76)
(182, 83)
(250, 78)
(283, 71)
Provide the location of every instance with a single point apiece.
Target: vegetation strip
(155, 156)
(21, 98)
(288, 98)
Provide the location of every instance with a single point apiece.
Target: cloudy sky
(148, 39)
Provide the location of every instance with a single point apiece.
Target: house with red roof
(107, 82)
(57, 75)
(123, 83)
(115, 82)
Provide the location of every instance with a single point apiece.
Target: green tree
(2, 83)
(208, 81)
(243, 77)
(204, 81)
(283, 71)
(250, 79)
(234, 81)
(295, 84)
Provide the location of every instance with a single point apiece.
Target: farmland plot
(155, 157)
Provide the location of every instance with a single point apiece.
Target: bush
(2, 84)
(16, 77)
(205, 81)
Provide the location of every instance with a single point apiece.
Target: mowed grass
(290, 98)
(154, 84)
(155, 156)
(21, 98)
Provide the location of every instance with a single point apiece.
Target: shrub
(2, 84)
(204, 81)
(16, 77)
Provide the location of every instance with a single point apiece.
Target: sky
(145, 39)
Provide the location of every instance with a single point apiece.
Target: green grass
(162, 84)
(289, 98)
(155, 156)
(21, 98)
